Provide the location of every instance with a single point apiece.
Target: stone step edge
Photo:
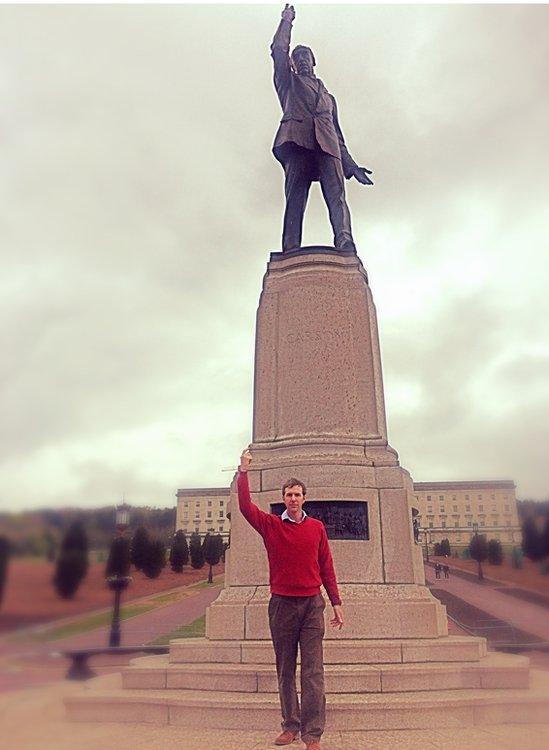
(340, 701)
(493, 661)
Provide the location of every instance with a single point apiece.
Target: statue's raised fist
(288, 14)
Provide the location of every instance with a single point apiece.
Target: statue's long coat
(309, 111)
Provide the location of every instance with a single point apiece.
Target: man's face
(294, 499)
(303, 61)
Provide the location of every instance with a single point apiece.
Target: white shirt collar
(285, 516)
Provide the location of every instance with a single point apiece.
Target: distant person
(446, 569)
(437, 570)
(300, 561)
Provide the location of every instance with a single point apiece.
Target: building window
(455, 508)
(456, 524)
(428, 498)
(469, 523)
(209, 503)
(492, 497)
(429, 510)
(443, 524)
(198, 503)
(430, 524)
(441, 498)
(209, 514)
(220, 514)
(186, 504)
(482, 523)
(220, 527)
(467, 497)
(443, 511)
(222, 503)
(480, 508)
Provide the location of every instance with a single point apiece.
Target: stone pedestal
(319, 415)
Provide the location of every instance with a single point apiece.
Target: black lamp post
(425, 532)
(119, 580)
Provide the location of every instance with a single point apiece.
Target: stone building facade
(203, 510)
(454, 510)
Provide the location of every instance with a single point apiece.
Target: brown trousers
(299, 620)
(299, 169)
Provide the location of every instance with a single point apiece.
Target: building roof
(203, 492)
(495, 484)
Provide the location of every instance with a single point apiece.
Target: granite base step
(383, 651)
(493, 671)
(106, 701)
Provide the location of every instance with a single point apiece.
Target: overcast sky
(140, 199)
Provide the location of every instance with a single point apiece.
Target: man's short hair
(293, 482)
(303, 46)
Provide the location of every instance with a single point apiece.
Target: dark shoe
(286, 738)
(313, 745)
(347, 245)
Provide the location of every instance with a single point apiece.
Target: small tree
(545, 539)
(140, 547)
(72, 563)
(212, 549)
(516, 558)
(50, 546)
(4, 560)
(495, 552)
(179, 552)
(197, 555)
(156, 559)
(445, 547)
(478, 549)
(118, 562)
(531, 540)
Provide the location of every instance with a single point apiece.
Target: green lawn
(91, 623)
(195, 629)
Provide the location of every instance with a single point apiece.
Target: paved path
(531, 618)
(28, 663)
(35, 720)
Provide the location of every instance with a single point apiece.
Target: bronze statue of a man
(309, 143)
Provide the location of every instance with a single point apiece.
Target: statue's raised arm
(309, 143)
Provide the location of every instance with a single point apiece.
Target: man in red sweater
(299, 562)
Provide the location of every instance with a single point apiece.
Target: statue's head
(303, 60)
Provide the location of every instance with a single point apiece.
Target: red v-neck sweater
(299, 553)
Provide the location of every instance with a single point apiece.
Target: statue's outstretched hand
(361, 174)
(288, 14)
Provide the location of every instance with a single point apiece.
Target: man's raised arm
(280, 51)
(254, 515)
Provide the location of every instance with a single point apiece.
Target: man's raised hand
(361, 174)
(288, 14)
(245, 460)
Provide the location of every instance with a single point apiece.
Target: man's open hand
(337, 620)
(245, 460)
(361, 174)
(288, 14)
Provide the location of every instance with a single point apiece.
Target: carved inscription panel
(343, 519)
